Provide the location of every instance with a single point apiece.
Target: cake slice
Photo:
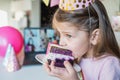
(58, 54)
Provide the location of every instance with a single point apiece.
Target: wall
(5, 6)
(112, 7)
(117, 35)
(35, 15)
(35, 12)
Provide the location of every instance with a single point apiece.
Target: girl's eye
(69, 36)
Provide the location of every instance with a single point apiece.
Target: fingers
(52, 65)
(59, 72)
(47, 68)
(69, 67)
(54, 69)
(51, 69)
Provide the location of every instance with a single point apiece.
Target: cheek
(80, 49)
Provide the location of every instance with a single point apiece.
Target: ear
(94, 36)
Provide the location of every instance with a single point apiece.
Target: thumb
(69, 67)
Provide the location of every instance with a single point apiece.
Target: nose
(62, 42)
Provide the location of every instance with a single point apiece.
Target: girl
(87, 31)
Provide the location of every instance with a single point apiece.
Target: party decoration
(46, 2)
(10, 35)
(10, 61)
(74, 4)
(54, 3)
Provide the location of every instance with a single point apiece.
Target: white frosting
(53, 56)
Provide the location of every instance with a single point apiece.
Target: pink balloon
(10, 35)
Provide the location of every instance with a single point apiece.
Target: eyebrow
(65, 32)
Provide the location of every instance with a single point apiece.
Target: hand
(67, 73)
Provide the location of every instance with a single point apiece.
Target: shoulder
(112, 58)
(111, 61)
(111, 67)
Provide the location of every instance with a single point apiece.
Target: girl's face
(73, 39)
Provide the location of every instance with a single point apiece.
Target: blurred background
(30, 14)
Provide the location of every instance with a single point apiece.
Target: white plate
(41, 58)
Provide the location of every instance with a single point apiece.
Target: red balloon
(10, 35)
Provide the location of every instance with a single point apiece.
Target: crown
(74, 4)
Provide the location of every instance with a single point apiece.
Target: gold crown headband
(74, 4)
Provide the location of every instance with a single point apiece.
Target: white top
(107, 68)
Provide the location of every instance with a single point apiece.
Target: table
(30, 72)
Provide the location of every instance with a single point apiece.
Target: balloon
(10, 35)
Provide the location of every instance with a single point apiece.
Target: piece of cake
(58, 54)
